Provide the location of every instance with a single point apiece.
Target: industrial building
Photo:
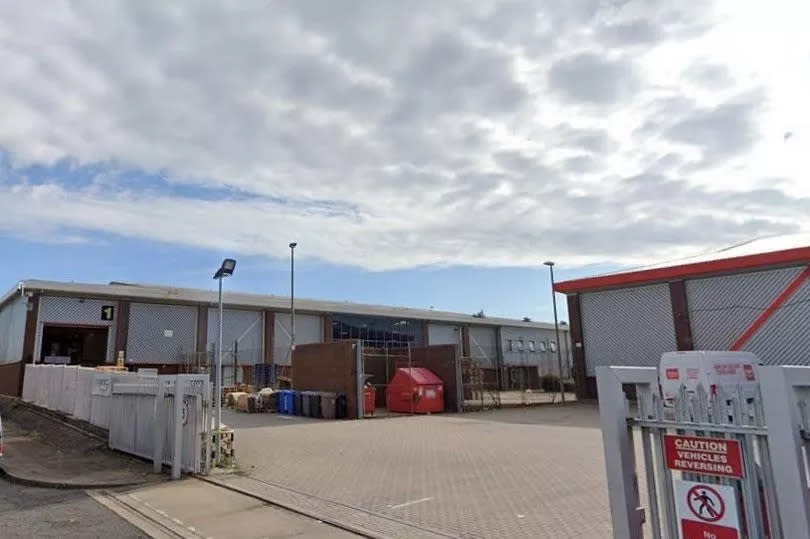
(753, 297)
(174, 329)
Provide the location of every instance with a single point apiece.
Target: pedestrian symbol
(706, 510)
(706, 503)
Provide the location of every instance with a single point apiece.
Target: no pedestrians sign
(706, 511)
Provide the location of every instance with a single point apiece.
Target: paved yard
(527, 472)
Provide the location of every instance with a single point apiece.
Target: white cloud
(392, 135)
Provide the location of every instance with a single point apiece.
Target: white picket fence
(137, 410)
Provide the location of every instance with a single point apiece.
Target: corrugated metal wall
(484, 345)
(542, 339)
(630, 326)
(722, 308)
(75, 311)
(161, 333)
(444, 334)
(308, 330)
(246, 327)
(12, 331)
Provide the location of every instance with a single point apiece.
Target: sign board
(728, 370)
(102, 384)
(706, 511)
(712, 456)
(107, 312)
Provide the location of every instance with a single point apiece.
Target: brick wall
(441, 359)
(327, 367)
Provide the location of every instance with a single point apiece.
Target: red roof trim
(725, 265)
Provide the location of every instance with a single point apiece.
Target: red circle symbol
(706, 503)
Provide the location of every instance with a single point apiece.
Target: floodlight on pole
(293, 245)
(225, 270)
(550, 265)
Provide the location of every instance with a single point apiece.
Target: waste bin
(370, 403)
(341, 406)
(298, 407)
(314, 404)
(306, 403)
(328, 405)
(415, 390)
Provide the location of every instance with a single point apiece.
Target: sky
(420, 153)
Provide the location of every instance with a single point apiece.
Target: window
(552, 346)
(512, 346)
(531, 346)
(520, 345)
(542, 346)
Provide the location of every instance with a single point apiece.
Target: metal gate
(712, 460)
(149, 420)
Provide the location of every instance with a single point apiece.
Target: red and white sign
(706, 511)
(708, 456)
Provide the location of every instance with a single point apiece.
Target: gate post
(177, 456)
(620, 461)
(784, 443)
(158, 426)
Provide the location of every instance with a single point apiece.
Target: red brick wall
(10, 377)
(441, 359)
(327, 367)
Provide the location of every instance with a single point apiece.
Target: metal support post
(218, 384)
(785, 443)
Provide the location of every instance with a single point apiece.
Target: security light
(548, 263)
(226, 269)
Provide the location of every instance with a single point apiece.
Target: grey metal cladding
(785, 338)
(629, 326)
(244, 327)
(484, 346)
(161, 333)
(722, 308)
(75, 311)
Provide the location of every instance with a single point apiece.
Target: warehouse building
(174, 329)
(753, 297)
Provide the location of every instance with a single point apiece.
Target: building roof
(170, 294)
(760, 253)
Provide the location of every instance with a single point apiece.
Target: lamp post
(293, 245)
(550, 265)
(225, 270)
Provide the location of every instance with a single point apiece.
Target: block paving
(526, 472)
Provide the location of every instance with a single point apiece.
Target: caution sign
(706, 511)
(711, 456)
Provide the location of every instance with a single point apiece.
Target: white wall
(75, 311)
(12, 331)
(308, 330)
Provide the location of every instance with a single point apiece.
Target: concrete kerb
(42, 483)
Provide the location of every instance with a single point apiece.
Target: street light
(225, 270)
(550, 265)
(293, 245)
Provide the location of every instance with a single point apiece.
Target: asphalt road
(27, 512)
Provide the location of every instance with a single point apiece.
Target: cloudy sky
(420, 152)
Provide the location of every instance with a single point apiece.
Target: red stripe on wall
(786, 294)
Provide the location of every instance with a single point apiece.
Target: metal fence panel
(722, 308)
(84, 390)
(629, 326)
(67, 393)
(161, 333)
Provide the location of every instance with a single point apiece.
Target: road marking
(192, 529)
(412, 502)
(162, 513)
(177, 521)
